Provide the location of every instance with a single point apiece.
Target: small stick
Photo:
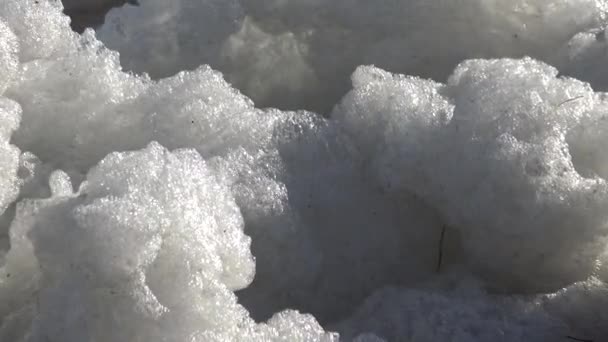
(440, 257)
(570, 100)
(578, 339)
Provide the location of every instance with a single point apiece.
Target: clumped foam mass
(299, 53)
(163, 204)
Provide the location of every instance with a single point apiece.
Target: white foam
(315, 45)
(223, 220)
(10, 115)
(493, 159)
(157, 246)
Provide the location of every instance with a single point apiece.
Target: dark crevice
(85, 14)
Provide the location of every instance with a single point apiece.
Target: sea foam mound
(506, 150)
(138, 208)
(299, 54)
(157, 249)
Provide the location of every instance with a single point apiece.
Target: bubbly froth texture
(303, 170)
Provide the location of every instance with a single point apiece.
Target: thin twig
(578, 339)
(440, 257)
(570, 100)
